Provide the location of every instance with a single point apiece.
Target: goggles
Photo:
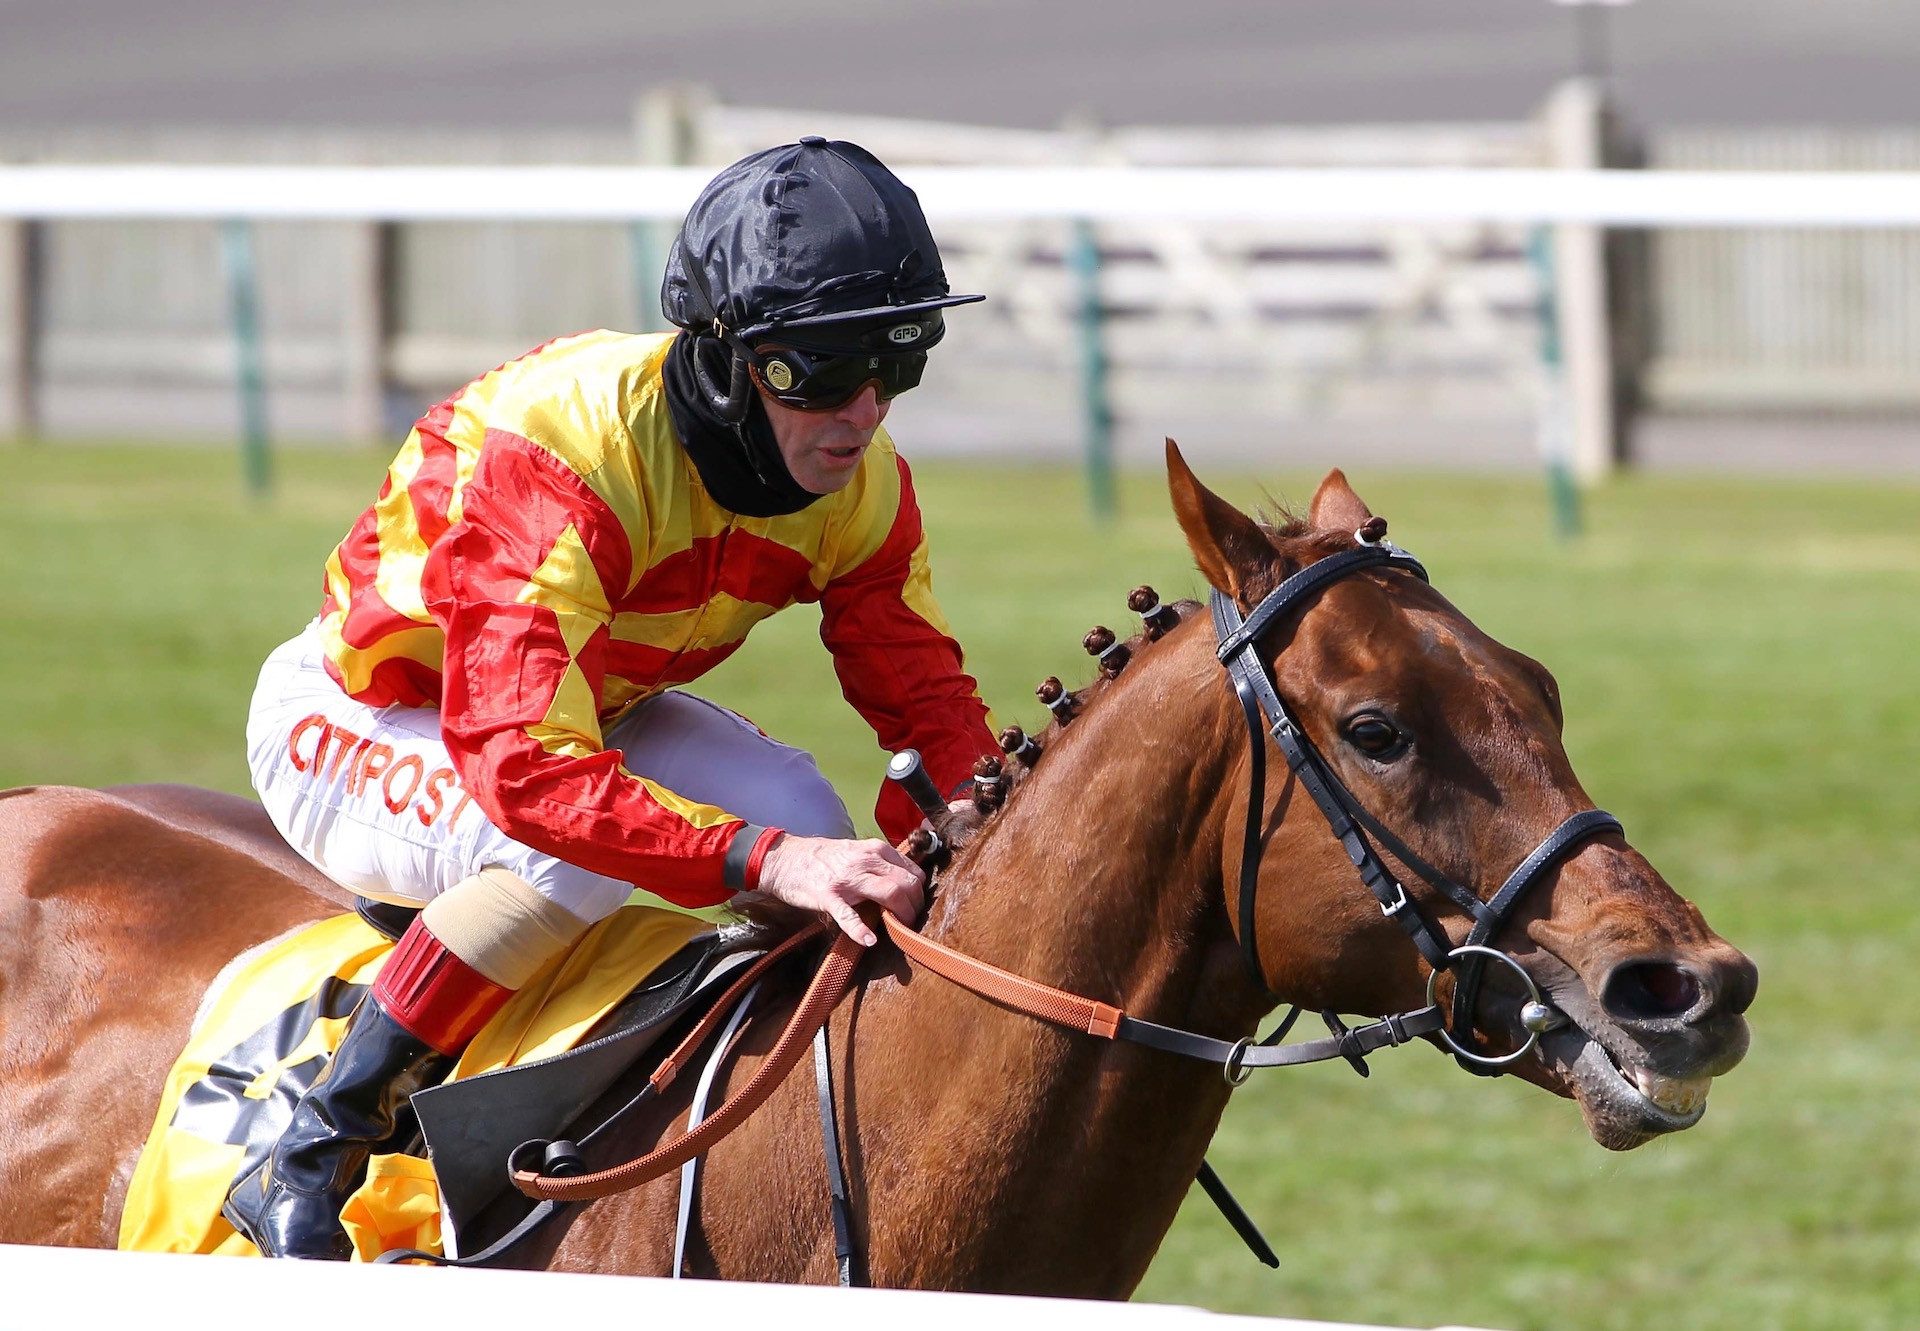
(824, 381)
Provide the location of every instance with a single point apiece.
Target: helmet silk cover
(809, 235)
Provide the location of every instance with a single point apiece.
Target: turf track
(1739, 665)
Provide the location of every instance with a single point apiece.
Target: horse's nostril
(1651, 989)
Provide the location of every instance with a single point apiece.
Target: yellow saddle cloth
(264, 1034)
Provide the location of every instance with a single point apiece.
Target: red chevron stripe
(439, 417)
(744, 566)
(649, 666)
(431, 490)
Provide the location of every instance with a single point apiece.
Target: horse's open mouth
(1623, 1108)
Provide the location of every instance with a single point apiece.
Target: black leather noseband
(1351, 823)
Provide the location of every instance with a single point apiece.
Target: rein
(1236, 1058)
(570, 1183)
(561, 1177)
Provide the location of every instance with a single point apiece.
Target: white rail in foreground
(76, 1288)
(1111, 194)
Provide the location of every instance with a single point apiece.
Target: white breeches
(370, 797)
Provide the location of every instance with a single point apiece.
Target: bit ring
(1235, 1074)
(1533, 996)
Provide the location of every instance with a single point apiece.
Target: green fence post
(1097, 410)
(244, 301)
(1555, 420)
(647, 243)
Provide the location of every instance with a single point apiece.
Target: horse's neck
(1102, 876)
(987, 1150)
(1103, 869)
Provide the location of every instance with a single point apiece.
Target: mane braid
(1017, 774)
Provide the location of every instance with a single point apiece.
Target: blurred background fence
(1418, 344)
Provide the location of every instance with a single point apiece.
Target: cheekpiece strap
(1257, 694)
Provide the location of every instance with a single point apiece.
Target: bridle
(1352, 824)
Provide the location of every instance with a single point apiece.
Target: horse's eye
(1376, 737)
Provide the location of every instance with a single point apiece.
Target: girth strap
(690, 1171)
(840, 1208)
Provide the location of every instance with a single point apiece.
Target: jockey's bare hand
(833, 876)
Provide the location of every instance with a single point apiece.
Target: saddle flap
(472, 1125)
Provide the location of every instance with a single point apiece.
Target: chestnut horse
(985, 1150)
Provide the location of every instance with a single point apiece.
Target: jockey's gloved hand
(833, 876)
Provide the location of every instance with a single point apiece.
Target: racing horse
(1143, 860)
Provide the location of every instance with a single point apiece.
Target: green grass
(1738, 662)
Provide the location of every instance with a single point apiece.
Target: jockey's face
(823, 449)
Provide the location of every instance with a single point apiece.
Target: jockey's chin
(823, 449)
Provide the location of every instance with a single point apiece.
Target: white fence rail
(1790, 319)
(1129, 194)
(77, 1288)
(1214, 288)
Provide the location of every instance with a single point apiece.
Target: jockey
(483, 718)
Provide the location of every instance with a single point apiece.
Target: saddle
(471, 1126)
(559, 1046)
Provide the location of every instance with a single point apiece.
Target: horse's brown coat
(985, 1150)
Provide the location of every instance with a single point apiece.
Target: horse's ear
(1228, 546)
(1336, 507)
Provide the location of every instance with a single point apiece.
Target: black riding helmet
(814, 244)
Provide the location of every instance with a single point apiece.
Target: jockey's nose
(864, 410)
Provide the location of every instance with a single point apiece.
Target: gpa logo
(903, 334)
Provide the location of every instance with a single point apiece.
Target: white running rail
(80, 1288)
(1099, 194)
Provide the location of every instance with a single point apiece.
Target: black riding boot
(290, 1205)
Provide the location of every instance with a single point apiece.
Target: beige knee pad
(500, 926)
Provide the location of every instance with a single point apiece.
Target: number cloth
(263, 1032)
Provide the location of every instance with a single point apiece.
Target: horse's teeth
(1676, 1095)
